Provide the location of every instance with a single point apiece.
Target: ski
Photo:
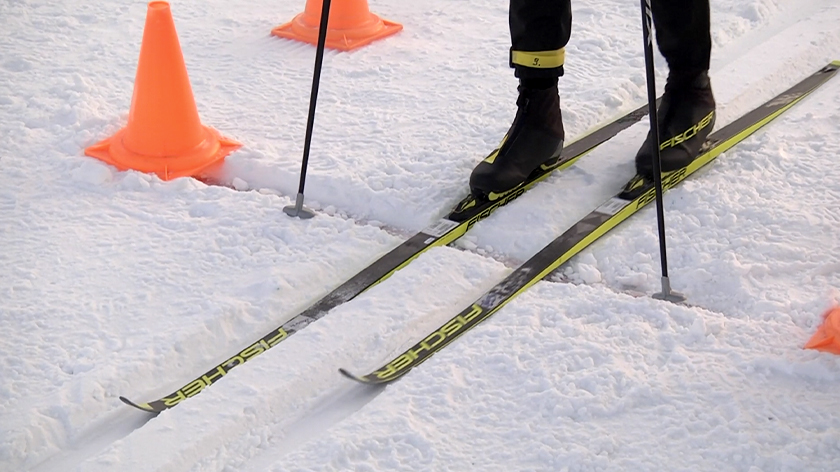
(444, 231)
(637, 193)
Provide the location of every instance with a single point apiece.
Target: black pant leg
(539, 31)
(683, 35)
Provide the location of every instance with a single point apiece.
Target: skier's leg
(683, 35)
(687, 111)
(539, 32)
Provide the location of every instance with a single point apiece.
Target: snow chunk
(92, 172)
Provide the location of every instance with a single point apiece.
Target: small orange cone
(827, 337)
(164, 134)
(351, 25)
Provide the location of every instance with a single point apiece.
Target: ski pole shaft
(313, 97)
(647, 28)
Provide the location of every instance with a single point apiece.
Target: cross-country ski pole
(298, 210)
(647, 27)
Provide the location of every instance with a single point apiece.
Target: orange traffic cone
(164, 134)
(351, 25)
(827, 337)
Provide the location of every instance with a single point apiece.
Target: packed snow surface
(118, 283)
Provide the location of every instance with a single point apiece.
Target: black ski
(443, 232)
(636, 194)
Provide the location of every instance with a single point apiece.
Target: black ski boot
(532, 143)
(686, 116)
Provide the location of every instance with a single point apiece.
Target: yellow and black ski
(637, 193)
(442, 232)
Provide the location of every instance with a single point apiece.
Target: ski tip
(351, 375)
(366, 380)
(140, 406)
(356, 378)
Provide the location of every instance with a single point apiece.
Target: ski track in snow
(122, 284)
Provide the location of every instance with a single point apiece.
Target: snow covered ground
(117, 283)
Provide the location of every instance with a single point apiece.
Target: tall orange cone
(351, 25)
(164, 134)
(827, 337)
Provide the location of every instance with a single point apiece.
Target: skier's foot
(534, 141)
(686, 116)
